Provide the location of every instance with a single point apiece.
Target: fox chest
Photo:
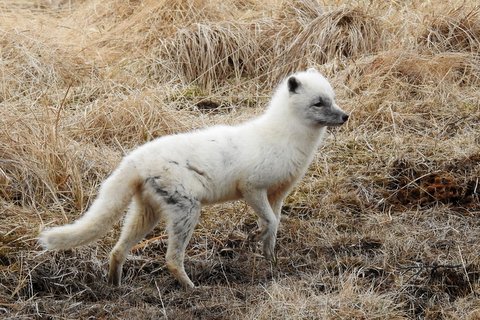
(281, 172)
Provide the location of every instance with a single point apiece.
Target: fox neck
(279, 117)
(298, 141)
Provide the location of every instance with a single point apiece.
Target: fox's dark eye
(320, 103)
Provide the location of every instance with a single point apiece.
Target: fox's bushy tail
(114, 196)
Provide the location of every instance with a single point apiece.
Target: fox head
(312, 99)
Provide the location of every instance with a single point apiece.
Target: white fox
(173, 176)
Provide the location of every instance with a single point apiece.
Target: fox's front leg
(258, 200)
(276, 201)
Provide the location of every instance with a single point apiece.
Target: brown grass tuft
(140, 25)
(300, 12)
(417, 69)
(31, 64)
(45, 168)
(422, 184)
(209, 54)
(124, 122)
(343, 33)
(456, 31)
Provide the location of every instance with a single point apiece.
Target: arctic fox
(173, 176)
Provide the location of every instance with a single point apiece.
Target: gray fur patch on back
(196, 170)
(172, 197)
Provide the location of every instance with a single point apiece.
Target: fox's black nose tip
(345, 117)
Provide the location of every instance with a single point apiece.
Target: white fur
(259, 161)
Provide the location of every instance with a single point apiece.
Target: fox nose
(345, 117)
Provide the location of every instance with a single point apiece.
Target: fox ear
(293, 84)
(312, 70)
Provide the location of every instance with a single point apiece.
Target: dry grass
(342, 33)
(384, 226)
(455, 31)
(215, 52)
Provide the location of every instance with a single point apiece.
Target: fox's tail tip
(50, 239)
(43, 240)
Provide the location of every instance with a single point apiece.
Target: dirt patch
(429, 182)
(433, 284)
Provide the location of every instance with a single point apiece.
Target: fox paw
(256, 235)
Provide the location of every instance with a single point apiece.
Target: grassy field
(385, 225)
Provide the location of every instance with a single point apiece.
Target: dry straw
(456, 31)
(427, 69)
(343, 33)
(208, 54)
(30, 63)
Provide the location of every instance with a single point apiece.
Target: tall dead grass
(343, 33)
(208, 54)
(412, 72)
(123, 122)
(32, 64)
(457, 30)
(139, 26)
(301, 35)
(43, 167)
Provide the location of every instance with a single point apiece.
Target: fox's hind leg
(181, 221)
(140, 220)
(181, 211)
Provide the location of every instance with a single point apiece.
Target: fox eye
(319, 103)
